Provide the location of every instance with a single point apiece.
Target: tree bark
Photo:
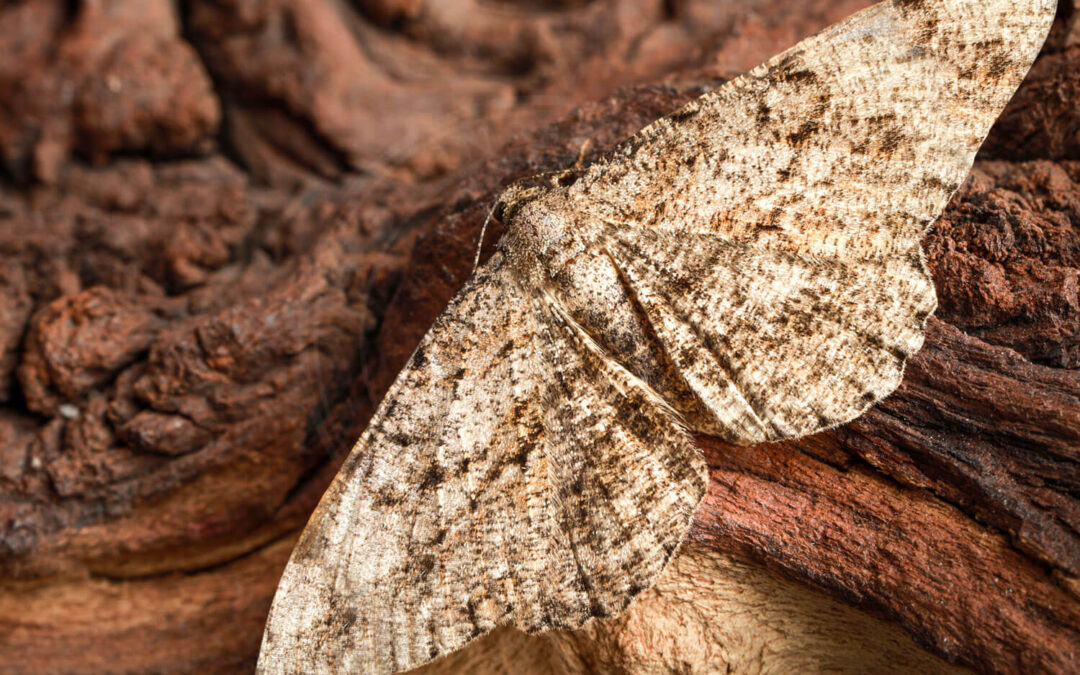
(223, 232)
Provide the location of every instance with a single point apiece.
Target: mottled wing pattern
(777, 260)
(511, 475)
(775, 344)
(849, 144)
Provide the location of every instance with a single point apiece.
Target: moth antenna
(483, 231)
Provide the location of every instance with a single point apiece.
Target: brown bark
(221, 235)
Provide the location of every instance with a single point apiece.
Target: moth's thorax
(544, 234)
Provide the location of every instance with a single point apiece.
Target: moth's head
(513, 198)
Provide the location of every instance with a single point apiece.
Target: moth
(747, 267)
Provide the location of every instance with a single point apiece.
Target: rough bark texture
(223, 230)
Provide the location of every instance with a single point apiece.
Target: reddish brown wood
(891, 511)
(195, 322)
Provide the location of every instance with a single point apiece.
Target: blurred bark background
(224, 224)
